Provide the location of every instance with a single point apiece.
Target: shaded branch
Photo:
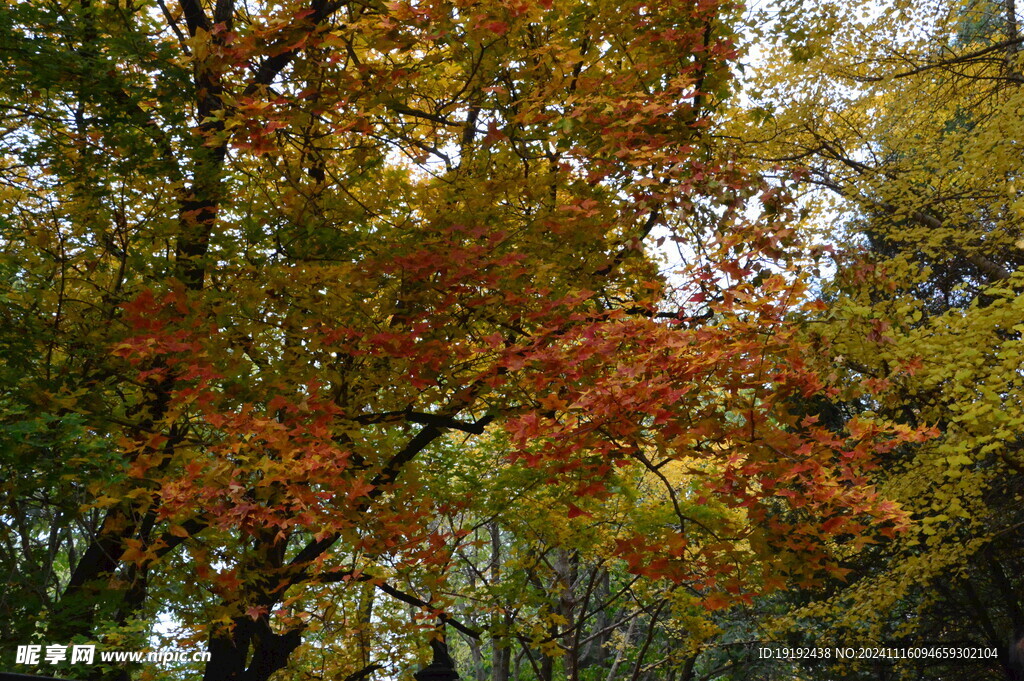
(397, 594)
(195, 17)
(363, 673)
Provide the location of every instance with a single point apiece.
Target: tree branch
(397, 594)
(195, 17)
(945, 62)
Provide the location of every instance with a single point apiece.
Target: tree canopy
(340, 334)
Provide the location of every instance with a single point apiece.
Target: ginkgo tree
(274, 262)
(905, 117)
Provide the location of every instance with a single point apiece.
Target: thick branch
(269, 69)
(195, 17)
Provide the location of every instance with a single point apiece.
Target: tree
(278, 264)
(906, 115)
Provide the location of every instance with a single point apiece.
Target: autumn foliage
(302, 283)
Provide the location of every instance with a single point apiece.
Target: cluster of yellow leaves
(906, 120)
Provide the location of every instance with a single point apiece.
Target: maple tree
(276, 266)
(905, 116)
